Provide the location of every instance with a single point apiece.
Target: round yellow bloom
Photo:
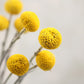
(18, 25)
(45, 60)
(13, 6)
(4, 23)
(30, 21)
(18, 64)
(50, 38)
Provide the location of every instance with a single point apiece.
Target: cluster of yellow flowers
(19, 65)
(49, 38)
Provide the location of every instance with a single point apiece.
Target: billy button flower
(45, 60)
(18, 64)
(18, 25)
(30, 21)
(13, 6)
(50, 38)
(4, 23)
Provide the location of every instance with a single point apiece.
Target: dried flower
(18, 64)
(45, 60)
(18, 25)
(30, 21)
(50, 38)
(4, 23)
(13, 6)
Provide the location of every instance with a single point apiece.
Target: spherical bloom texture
(18, 25)
(45, 60)
(50, 38)
(18, 64)
(30, 21)
(13, 6)
(4, 23)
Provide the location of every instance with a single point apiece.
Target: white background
(68, 17)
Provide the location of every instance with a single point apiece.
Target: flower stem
(14, 40)
(19, 80)
(4, 68)
(35, 54)
(12, 43)
(7, 78)
(5, 39)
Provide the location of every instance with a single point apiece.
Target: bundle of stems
(6, 53)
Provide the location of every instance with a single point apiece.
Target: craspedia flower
(18, 25)
(30, 21)
(50, 38)
(45, 60)
(18, 64)
(13, 6)
(4, 23)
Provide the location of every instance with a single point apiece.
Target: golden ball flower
(18, 25)
(18, 64)
(4, 23)
(30, 21)
(45, 60)
(13, 6)
(50, 38)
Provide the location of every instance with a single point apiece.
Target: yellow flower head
(50, 38)
(30, 21)
(13, 6)
(18, 25)
(4, 23)
(45, 60)
(18, 64)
